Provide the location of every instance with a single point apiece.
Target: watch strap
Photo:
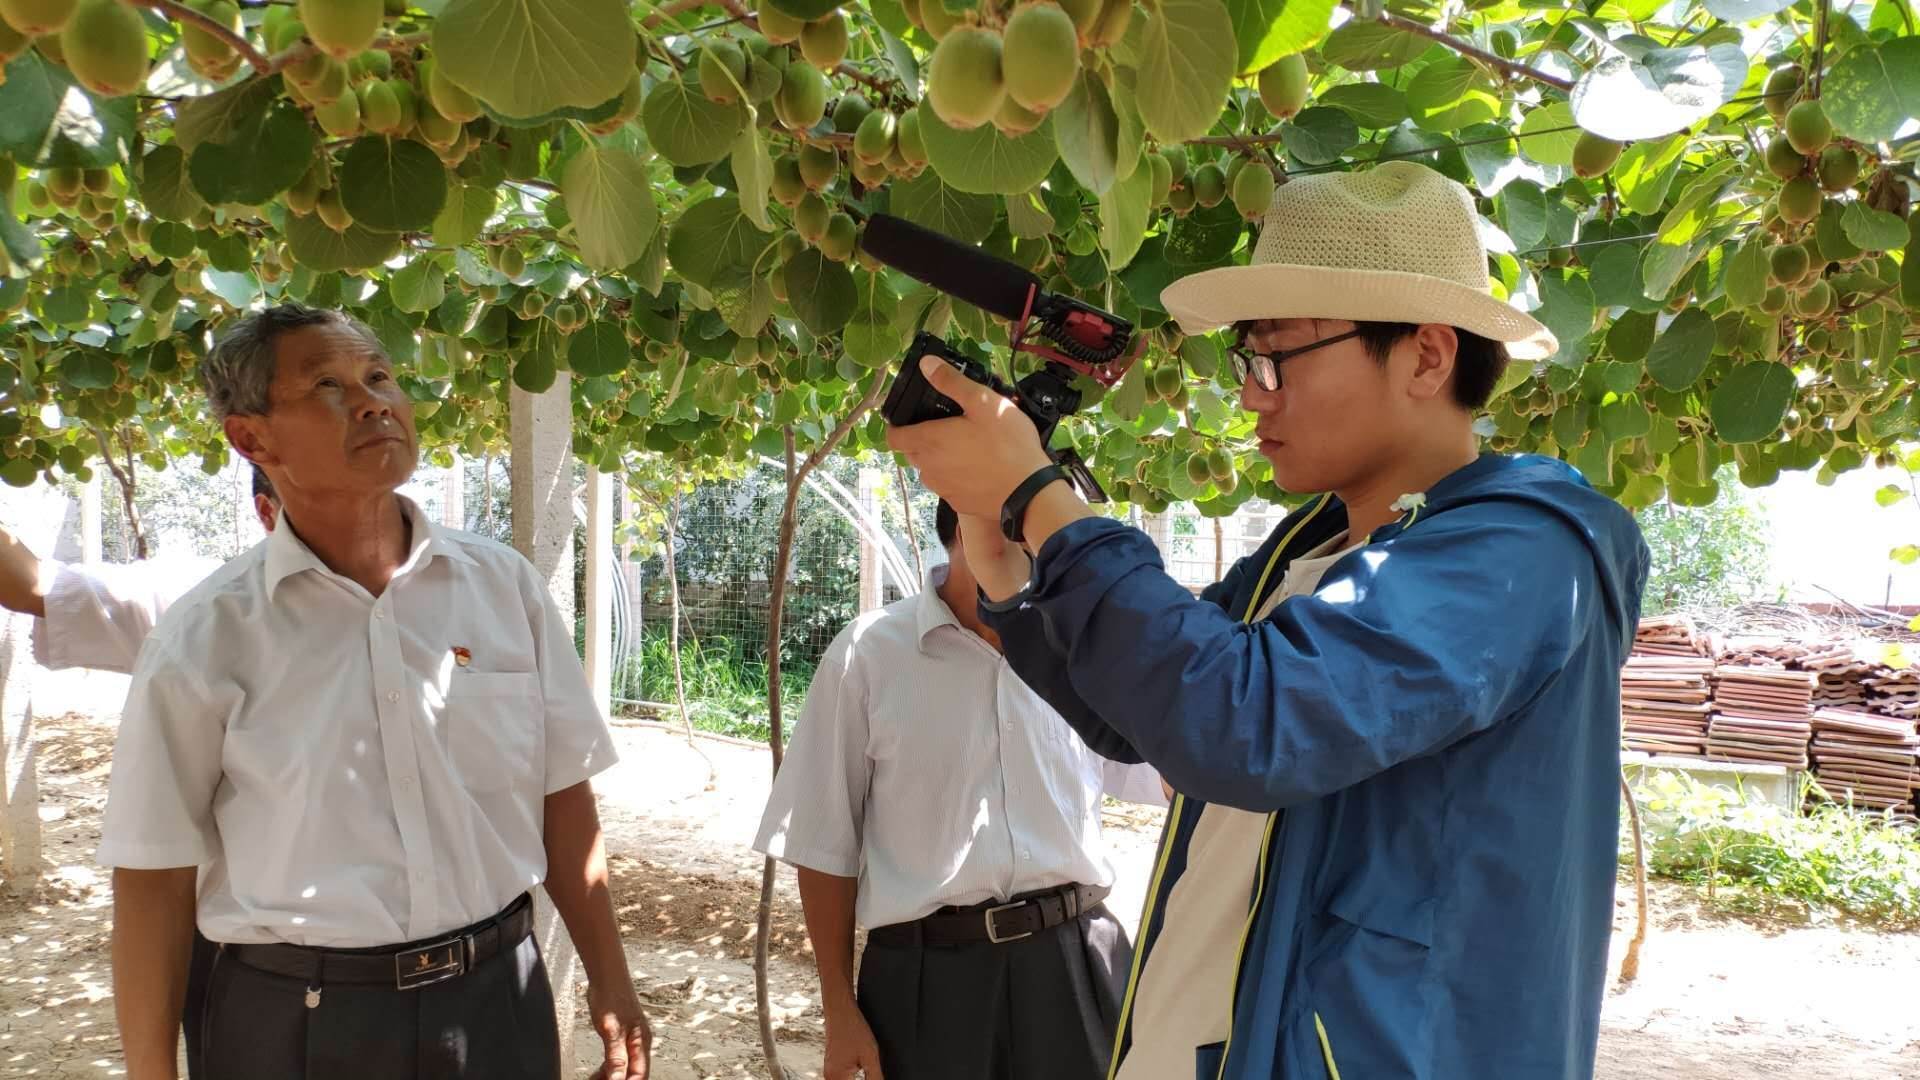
(1013, 512)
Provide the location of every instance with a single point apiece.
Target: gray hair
(238, 373)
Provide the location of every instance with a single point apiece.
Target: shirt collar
(288, 555)
(931, 612)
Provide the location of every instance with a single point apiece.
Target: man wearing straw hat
(1395, 727)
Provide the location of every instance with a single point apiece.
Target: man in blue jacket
(1395, 727)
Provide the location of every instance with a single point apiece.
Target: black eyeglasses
(1266, 366)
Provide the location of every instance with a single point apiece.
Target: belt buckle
(430, 964)
(993, 935)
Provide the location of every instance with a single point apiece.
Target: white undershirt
(1186, 988)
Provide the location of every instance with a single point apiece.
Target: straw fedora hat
(1395, 243)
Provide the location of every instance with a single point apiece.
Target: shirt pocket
(493, 729)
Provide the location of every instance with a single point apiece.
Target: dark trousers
(1040, 1007)
(199, 966)
(493, 1023)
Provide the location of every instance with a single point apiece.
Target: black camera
(1080, 339)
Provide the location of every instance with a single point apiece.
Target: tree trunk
(1219, 550)
(673, 637)
(123, 475)
(1630, 963)
(782, 559)
(906, 513)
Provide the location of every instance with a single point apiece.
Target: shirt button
(379, 613)
(1026, 854)
(393, 695)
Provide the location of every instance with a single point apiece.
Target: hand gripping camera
(1079, 339)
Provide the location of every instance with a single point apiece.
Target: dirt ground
(1718, 997)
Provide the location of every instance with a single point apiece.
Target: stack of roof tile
(1664, 704)
(1868, 760)
(1761, 715)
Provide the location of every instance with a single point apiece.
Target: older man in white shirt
(933, 798)
(366, 739)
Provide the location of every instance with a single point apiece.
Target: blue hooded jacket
(1435, 735)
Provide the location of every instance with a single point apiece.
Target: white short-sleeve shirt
(98, 616)
(923, 766)
(346, 770)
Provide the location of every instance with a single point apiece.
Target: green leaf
(535, 371)
(1372, 105)
(1663, 265)
(1741, 11)
(871, 337)
(528, 58)
(1889, 494)
(599, 348)
(1124, 212)
(1187, 64)
(265, 154)
(173, 240)
(1615, 275)
(1873, 230)
(1681, 352)
(392, 185)
(46, 119)
(1449, 94)
(1522, 210)
(1027, 216)
(1630, 337)
(1566, 307)
(1087, 131)
(1659, 92)
(906, 66)
(1646, 170)
(715, 245)
(1626, 418)
(929, 201)
(317, 247)
(1364, 45)
(610, 198)
(215, 117)
(1266, 30)
(821, 291)
(1750, 402)
(165, 190)
(983, 161)
(1747, 274)
(68, 304)
(1907, 555)
(1872, 90)
(1547, 134)
(1203, 239)
(745, 308)
(585, 114)
(465, 215)
(418, 287)
(1698, 205)
(752, 174)
(1318, 136)
(88, 369)
(688, 128)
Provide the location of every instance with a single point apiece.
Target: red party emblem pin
(462, 655)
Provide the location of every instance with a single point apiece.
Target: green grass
(726, 688)
(1757, 857)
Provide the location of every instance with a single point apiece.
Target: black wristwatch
(1013, 512)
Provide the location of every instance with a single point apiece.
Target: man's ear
(1434, 347)
(246, 435)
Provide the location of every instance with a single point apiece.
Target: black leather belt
(1021, 917)
(403, 967)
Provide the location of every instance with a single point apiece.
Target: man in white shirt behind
(367, 738)
(97, 617)
(931, 797)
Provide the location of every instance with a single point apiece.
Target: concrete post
(600, 568)
(541, 470)
(90, 520)
(453, 495)
(869, 507)
(20, 854)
